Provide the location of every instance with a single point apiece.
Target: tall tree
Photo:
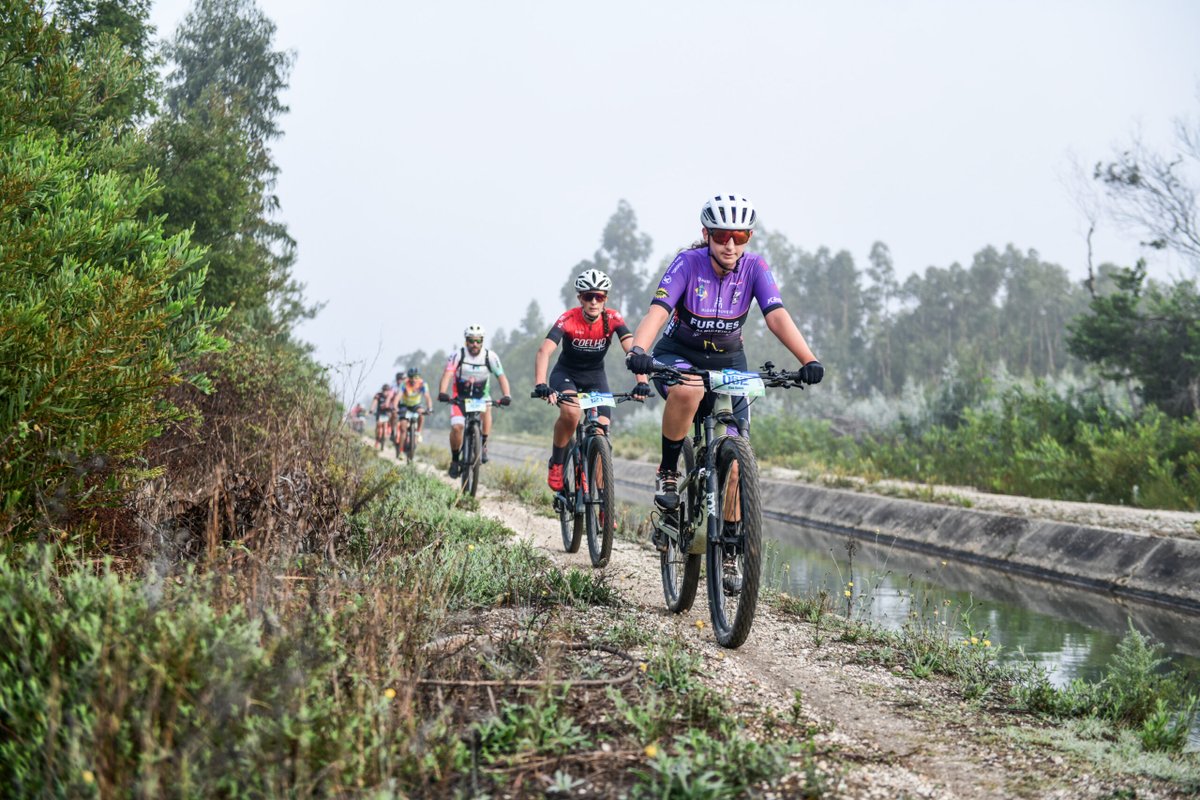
(622, 254)
(1155, 193)
(227, 47)
(211, 148)
(880, 299)
(1147, 332)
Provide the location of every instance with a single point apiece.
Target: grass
(428, 653)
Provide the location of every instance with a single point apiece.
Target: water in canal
(1071, 633)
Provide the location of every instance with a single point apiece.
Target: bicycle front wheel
(600, 501)
(410, 443)
(472, 448)
(572, 524)
(681, 570)
(734, 561)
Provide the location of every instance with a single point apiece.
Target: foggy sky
(445, 162)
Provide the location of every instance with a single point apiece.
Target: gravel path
(886, 735)
(891, 736)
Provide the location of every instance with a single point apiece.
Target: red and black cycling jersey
(585, 343)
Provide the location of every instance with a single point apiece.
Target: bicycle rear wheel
(680, 570)
(600, 501)
(472, 447)
(737, 496)
(572, 525)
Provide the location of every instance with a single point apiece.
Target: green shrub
(100, 309)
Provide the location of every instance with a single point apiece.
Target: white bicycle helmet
(592, 280)
(473, 330)
(729, 212)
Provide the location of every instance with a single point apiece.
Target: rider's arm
(649, 327)
(428, 396)
(780, 323)
(504, 389)
(541, 360)
(627, 344)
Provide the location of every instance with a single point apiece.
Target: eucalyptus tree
(211, 147)
(622, 255)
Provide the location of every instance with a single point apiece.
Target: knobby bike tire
(600, 501)
(681, 571)
(572, 525)
(733, 614)
(470, 476)
(410, 443)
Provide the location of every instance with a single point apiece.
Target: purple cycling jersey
(708, 312)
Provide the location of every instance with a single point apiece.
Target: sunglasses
(593, 297)
(723, 237)
(474, 340)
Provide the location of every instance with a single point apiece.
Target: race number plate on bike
(472, 405)
(592, 399)
(411, 415)
(736, 383)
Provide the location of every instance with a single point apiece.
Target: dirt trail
(892, 736)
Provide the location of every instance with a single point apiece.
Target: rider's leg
(564, 429)
(486, 429)
(401, 431)
(456, 437)
(681, 405)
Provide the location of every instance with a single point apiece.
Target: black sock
(670, 454)
(483, 438)
(558, 454)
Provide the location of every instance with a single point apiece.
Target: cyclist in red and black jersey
(585, 333)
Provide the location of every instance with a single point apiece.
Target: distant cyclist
(381, 408)
(468, 374)
(704, 299)
(412, 391)
(585, 333)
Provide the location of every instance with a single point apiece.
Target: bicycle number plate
(592, 399)
(472, 405)
(411, 415)
(736, 383)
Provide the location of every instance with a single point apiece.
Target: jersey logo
(660, 293)
(701, 291)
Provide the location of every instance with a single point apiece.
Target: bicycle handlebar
(770, 377)
(620, 397)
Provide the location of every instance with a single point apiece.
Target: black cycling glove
(443, 397)
(812, 372)
(641, 391)
(638, 362)
(541, 390)
(505, 400)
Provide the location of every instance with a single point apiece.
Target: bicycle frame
(588, 427)
(731, 537)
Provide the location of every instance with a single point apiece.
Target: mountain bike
(382, 430)
(719, 513)
(409, 445)
(470, 455)
(588, 495)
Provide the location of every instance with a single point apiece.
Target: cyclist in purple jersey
(703, 300)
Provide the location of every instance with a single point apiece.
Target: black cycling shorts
(673, 355)
(568, 380)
